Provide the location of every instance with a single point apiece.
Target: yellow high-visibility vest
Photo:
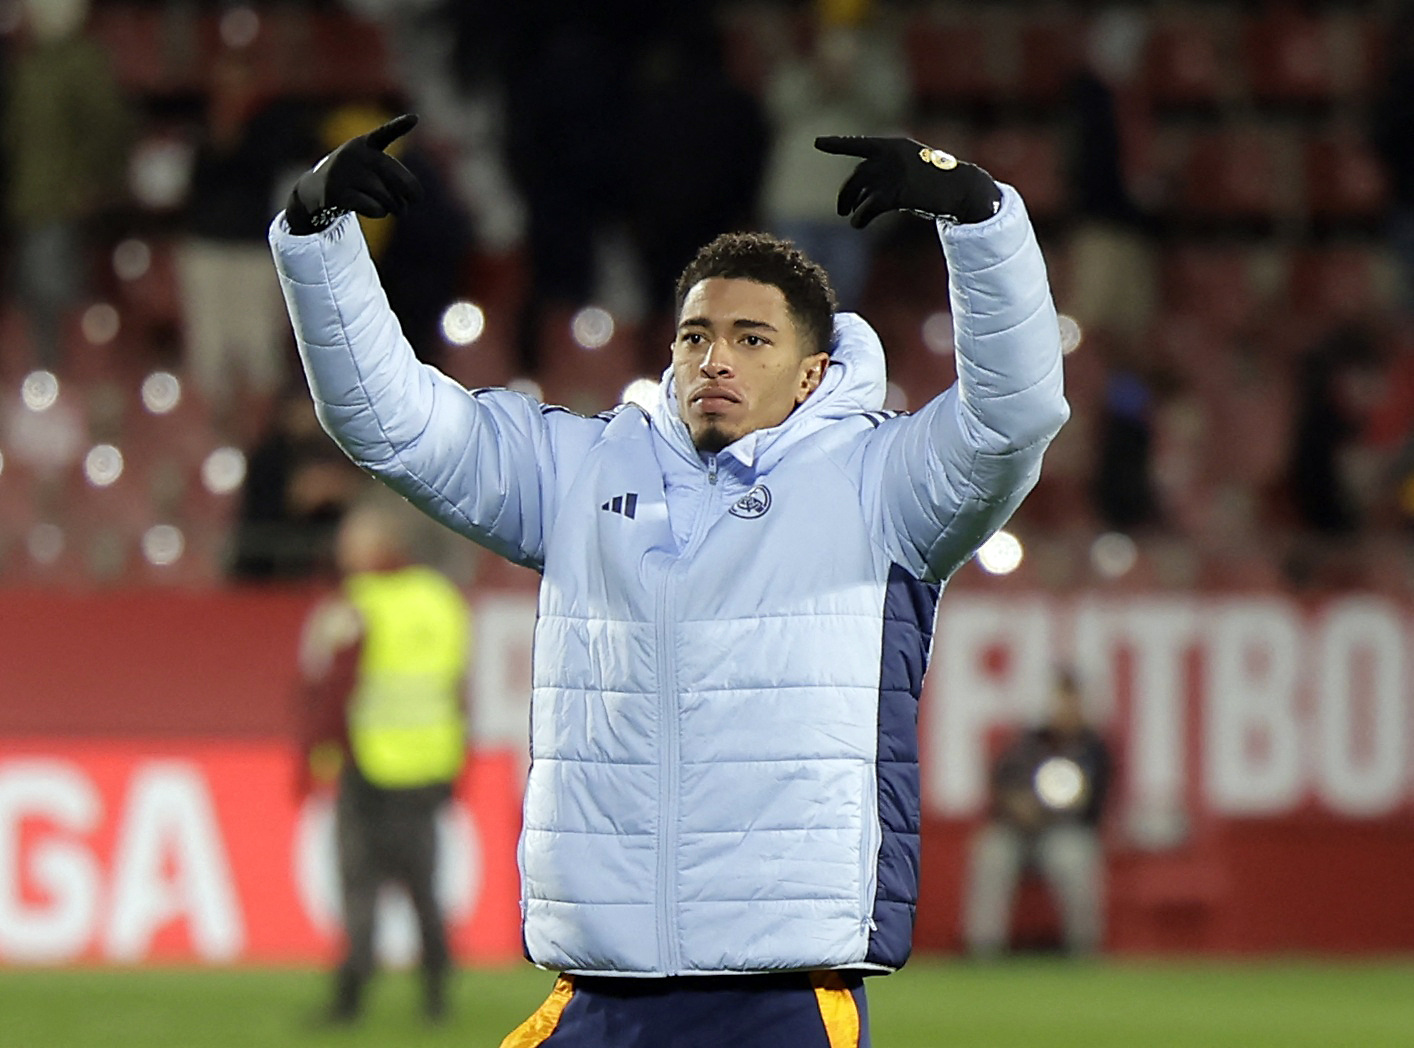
(406, 726)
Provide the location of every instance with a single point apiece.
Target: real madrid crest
(753, 504)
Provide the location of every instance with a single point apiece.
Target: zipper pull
(712, 470)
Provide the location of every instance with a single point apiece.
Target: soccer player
(738, 589)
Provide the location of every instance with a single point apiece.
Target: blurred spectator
(230, 296)
(1339, 384)
(298, 486)
(384, 668)
(445, 55)
(1390, 428)
(1392, 133)
(66, 128)
(421, 256)
(1123, 478)
(565, 72)
(679, 197)
(1048, 794)
(850, 81)
(1111, 253)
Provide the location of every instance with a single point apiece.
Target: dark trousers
(796, 1010)
(388, 836)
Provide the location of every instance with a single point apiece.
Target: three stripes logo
(627, 505)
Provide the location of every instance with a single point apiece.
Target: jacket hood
(854, 381)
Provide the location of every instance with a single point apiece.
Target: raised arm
(482, 463)
(942, 480)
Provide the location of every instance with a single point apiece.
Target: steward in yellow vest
(385, 666)
(405, 716)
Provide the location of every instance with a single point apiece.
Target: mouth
(714, 398)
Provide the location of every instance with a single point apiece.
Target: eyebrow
(743, 323)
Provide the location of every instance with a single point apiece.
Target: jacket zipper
(668, 748)
(872, 840)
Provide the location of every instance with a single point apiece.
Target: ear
(812, 373)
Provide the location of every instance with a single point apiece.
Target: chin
(712, 439)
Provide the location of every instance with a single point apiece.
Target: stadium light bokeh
(528, 386)
(463, 323)
(40, 390)
(100, 323)
(103, 465)
(592, 327)
(132, 258)
(1113, 555)
(641, 391)
(161, 392)
(45, 542)
(223, 471)
(163, 544)
(1001, 554)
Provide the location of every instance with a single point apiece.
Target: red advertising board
(1264, 798)
(122, 851)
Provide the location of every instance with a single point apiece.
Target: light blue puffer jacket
(730, 647)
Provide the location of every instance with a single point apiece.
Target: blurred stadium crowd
(1224, 191)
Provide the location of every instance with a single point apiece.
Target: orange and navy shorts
(799, 1009)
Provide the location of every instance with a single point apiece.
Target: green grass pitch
(1019, 1004)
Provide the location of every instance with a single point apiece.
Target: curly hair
(778, 263)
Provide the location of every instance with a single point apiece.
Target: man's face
(739, 362)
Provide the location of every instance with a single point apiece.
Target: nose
(716, 362)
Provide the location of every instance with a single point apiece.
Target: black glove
(899, 174)
(358, 176)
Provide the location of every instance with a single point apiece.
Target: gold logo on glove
(939, 159)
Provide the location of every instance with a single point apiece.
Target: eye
(755, 340)
(692, 338)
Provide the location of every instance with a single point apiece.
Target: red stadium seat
(1364, 57)
(1344, 180)
(489, 361)
(201, 563)
(38, 542)
(133, 37)
(1030, 160)
(1251, 419)
(1192, 348)
(184, 434)
(1213, 281)
(751, 37)
(1231, 176)
(1333, 284)
(1288, 57)
(64, 566)
(1184, 63)
(583, 379)
(920, 361)
(950, 60)
(1086, 376)
(1248, 571)
(1060, 504)
(125, 504)
(343, 56)
(496, 282)
(151, 299)
(20, 510)
(1047, 53)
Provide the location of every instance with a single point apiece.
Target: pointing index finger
(382, 137)
(847, 145)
